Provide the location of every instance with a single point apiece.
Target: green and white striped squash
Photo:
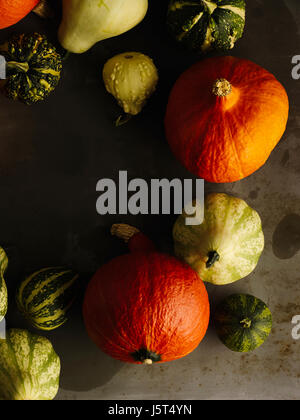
(29, 367)
(45, 297)
(205, 25)
(243, 322)
(3, 289)
(227, 245)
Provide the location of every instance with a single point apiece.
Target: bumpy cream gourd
(131, 78)
(87, 22)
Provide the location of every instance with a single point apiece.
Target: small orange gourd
(12, 11)
(224, 117)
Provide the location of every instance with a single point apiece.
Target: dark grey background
(53, 154)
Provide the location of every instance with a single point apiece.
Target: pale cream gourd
(86, 22)
(131, 78)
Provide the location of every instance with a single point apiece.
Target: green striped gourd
(46, 296)
(29, 367)
(227, 246)
(243, 322)
(3, 289)
(204, 25)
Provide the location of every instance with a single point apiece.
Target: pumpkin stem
(44, 10)
(123, 231)
(246, 323)
(136, 240)
(213, 257)
(222, 87)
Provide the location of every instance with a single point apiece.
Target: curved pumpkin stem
(137, 241)
(123, 231)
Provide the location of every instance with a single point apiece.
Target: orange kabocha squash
(224, 117)
(12, 11)
(145, 307)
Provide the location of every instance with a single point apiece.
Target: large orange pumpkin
(12, 11)
(145, 307)
(224, 117)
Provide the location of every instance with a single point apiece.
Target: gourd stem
(66, 55)
(44, 10)
(222, 88)
(14, 65)
(123, 231)
(146, 357)
(246, 323)
(213, 257)
(210, 6)
(123, 119)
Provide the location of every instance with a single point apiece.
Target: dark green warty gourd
(33, 67)
(206, 25)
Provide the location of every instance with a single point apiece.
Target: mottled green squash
(33, 68)
(29, 367)
(205, 25)
(243, 322)
(3, 289)
(45, 297)
(226, 247)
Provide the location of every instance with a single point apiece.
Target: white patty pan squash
(29, 367)
(131, 78)
(227, 246)
(86, 22)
